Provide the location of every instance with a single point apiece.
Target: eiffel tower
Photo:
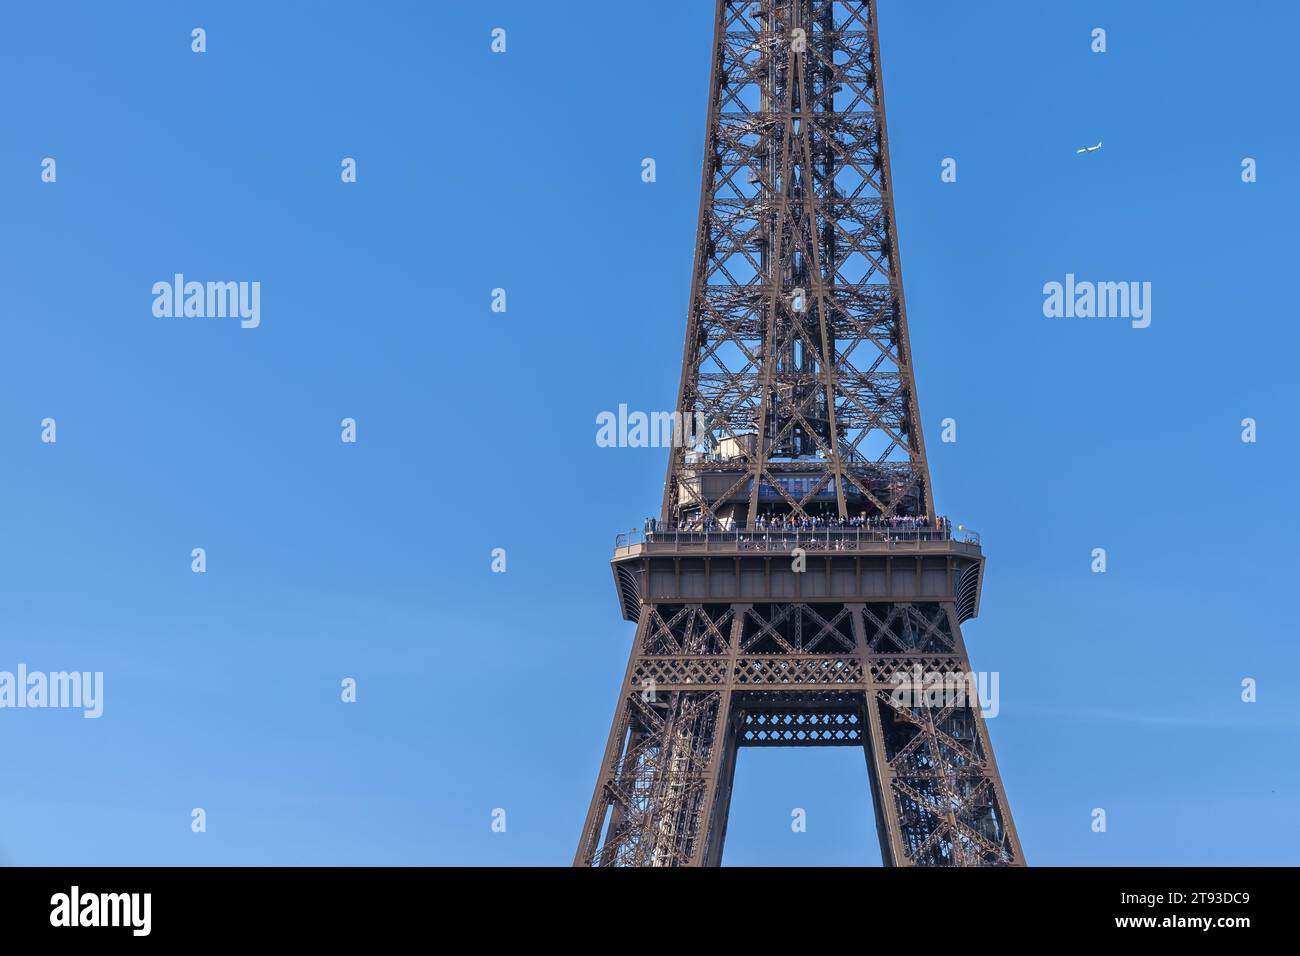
(798, 588)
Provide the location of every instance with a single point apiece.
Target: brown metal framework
(797, 360)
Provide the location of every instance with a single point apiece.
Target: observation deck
(784, 565)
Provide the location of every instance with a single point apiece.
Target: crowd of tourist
(775, 521)
(786, 522)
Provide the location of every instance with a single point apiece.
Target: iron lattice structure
(797, 361)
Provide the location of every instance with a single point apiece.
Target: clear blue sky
(476, 430)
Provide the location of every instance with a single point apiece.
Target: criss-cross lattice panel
(688, 629)
(776, 671)
(904, 670)
(773, 720)
(652, 673)
(904, 628)
(797, 629)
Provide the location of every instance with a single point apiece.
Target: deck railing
(787, 539)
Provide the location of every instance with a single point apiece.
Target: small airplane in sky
(1090, 149)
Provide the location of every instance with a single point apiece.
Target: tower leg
(938, 794)
(658, 788)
